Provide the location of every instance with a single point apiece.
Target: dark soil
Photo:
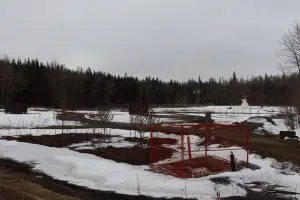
(160, 141)
(155, 141)
(136, 155)
(59, 140)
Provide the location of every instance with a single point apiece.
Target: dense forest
(53, 85)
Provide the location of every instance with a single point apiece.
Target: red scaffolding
(198, 162)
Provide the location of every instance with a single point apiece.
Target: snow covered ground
(38, 132)
(116, 142)
(231, 114)
(34, 118)
(123, 116)
(98, 173)
(220, 114)
(223, 109)
(272, 128)
(223, 114)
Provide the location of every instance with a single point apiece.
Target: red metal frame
(159, 128)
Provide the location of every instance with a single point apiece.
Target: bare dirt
(155, 141)
(136, 155)
(194, 168)
(59, 140)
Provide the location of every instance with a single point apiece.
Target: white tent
(244, 102)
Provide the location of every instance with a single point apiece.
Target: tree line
(53, 85)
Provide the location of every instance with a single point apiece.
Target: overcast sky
(170, 39)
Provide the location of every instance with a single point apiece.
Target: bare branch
(290, 44)
(105, 116)
(281, 68)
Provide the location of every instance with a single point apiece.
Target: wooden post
(182, 144)
(206, 142)
(247, 144)
(189, 147)
(151, 147)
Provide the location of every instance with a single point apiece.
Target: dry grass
(14, 186)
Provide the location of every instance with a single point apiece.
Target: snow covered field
(220, 114)
(223, 109)
(98, 173)
(279, 125)
(38, 132)
(123, 116)
(232, 114)
(34, 118)
(223, 114)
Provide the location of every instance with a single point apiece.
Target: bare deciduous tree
(290, 44)
(290, 119)
(105, 116)
(141, 122)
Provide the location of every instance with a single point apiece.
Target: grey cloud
(170, 39)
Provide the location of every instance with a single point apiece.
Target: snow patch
(32, 119)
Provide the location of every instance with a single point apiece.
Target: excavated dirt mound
(197, 167)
